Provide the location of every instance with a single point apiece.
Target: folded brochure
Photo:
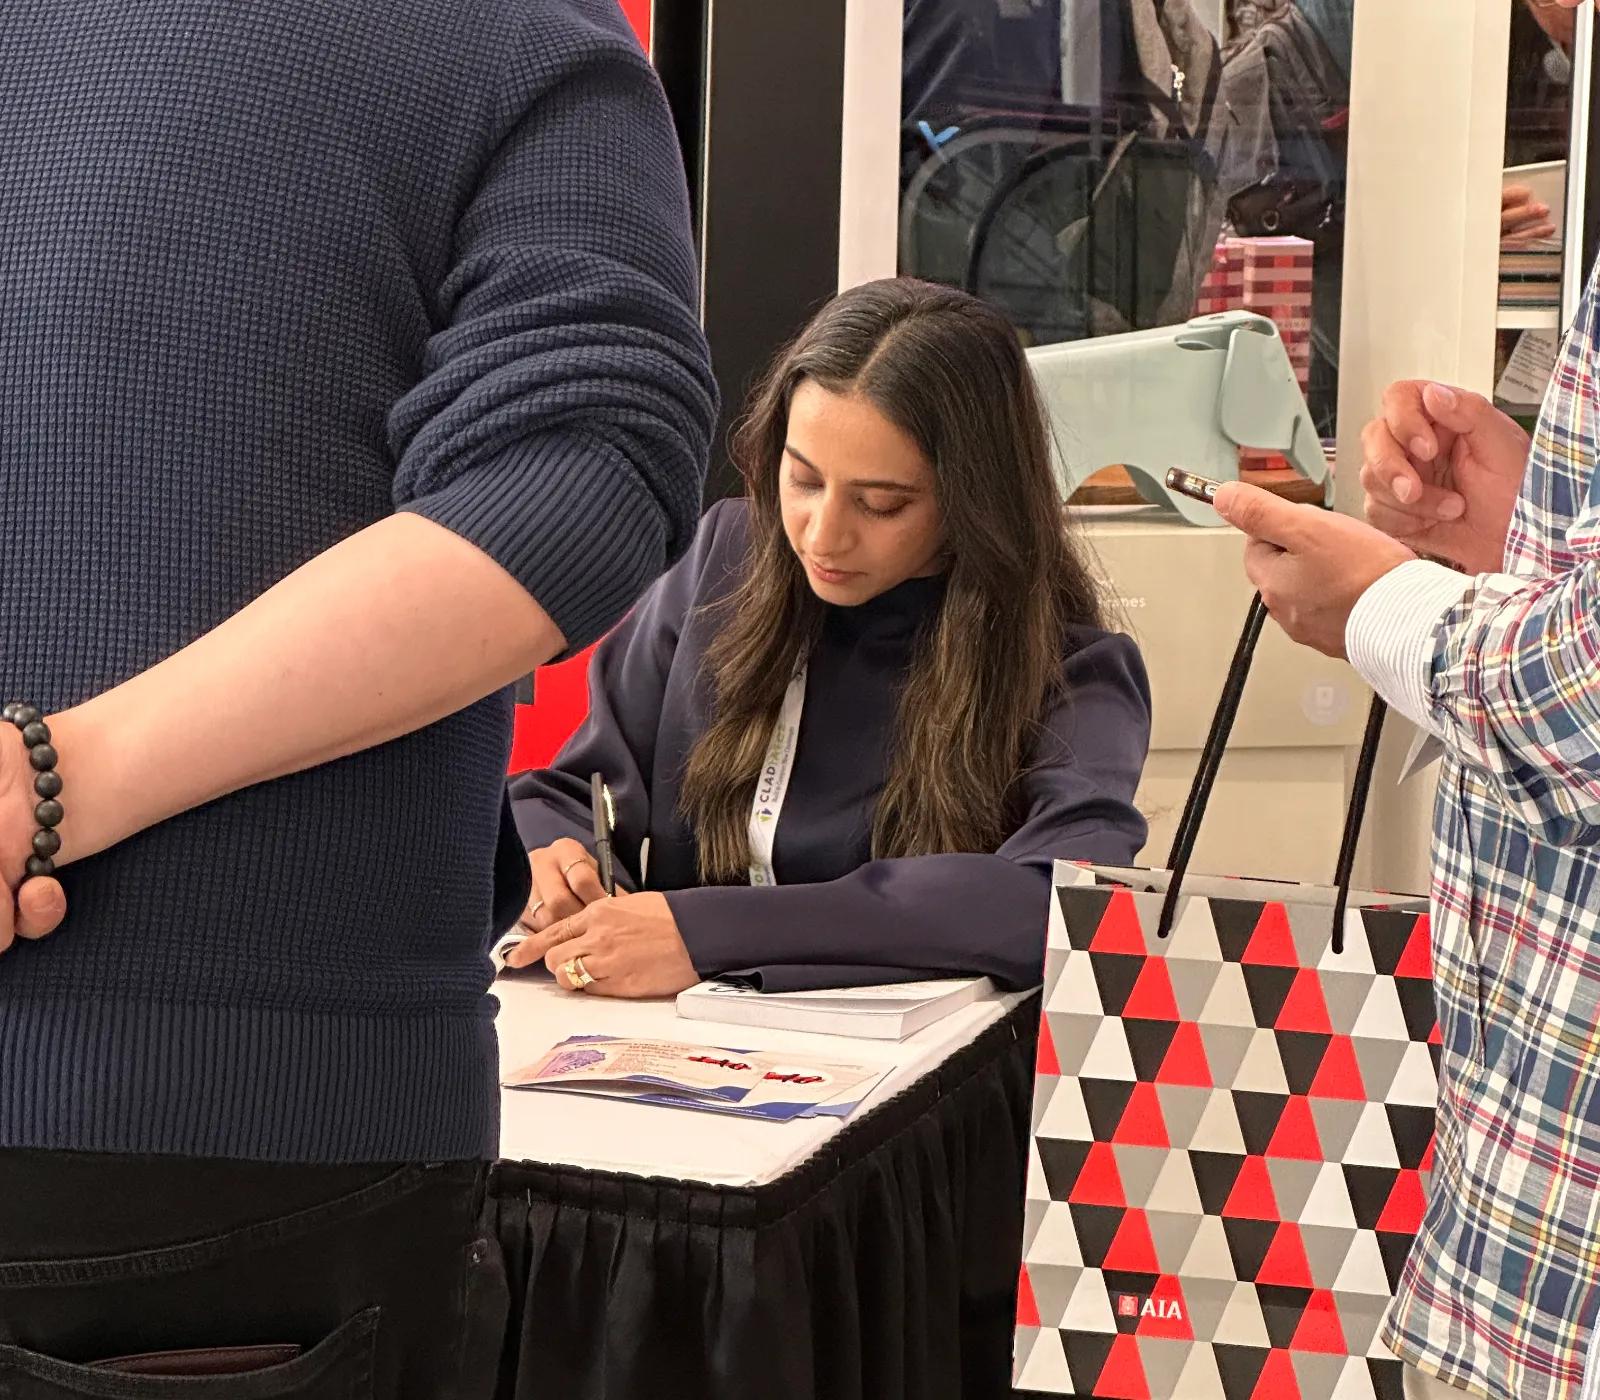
(747, 1083)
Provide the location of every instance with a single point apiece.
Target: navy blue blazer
(838, 917)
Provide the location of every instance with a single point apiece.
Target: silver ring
(533, 912)
(581, 860)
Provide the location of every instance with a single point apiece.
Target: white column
(869, 166)
(1427, 144)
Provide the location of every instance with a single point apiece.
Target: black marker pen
(605, 822)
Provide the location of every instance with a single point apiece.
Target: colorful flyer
(790, 1090)
(629, 1066)
(749, 1083)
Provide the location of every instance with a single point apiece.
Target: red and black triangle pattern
(1117, 1365)
(1233, 1140)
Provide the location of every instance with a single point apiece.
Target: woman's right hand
(566, 881)
(1442, 470)
(39, 905)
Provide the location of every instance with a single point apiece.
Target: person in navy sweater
(351, 369)
(875, 702)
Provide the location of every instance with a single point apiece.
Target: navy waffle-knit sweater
(269, 271)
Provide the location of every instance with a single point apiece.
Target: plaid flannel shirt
(1502, 1289)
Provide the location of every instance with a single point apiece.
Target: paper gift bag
(1232, 1128)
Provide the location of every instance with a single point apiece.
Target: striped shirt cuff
(1393, 631)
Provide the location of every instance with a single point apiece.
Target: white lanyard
(773, 784)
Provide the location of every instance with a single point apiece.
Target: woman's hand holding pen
(566, 880)
(629, 946)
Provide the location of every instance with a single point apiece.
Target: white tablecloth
(648, 1140)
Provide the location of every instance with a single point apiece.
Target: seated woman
(873, 704)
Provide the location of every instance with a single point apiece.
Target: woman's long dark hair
(950, 372)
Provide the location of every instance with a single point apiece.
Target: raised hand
(1441, 471)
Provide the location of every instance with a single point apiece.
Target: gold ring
(577, 973)
(581, 860)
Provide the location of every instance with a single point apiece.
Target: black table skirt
(884, 1268)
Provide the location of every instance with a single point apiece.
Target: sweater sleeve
(563, 418)
(962, 914)
(627, 680)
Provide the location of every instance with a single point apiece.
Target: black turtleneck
(837, 916)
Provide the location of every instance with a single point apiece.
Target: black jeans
(245, 1281)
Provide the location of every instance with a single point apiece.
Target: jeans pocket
(340, 1367)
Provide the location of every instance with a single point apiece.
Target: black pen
(605, 822)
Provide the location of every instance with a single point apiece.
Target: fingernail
(1452, 508)
(1405, 488)
(1447, 395)
(1421, 447)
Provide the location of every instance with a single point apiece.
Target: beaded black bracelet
(46, 783)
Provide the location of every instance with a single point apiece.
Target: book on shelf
(1531, 264)
(1524, 295)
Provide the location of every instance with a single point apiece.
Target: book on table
(888, 1012)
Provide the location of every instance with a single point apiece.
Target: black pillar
(757, 90)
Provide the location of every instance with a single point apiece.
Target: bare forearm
(392, 629)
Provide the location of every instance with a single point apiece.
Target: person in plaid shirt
(1500, 663)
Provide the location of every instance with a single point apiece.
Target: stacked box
(1271, 277)
(1223, 287)
(1277, 285)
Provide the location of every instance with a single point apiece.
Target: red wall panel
(638, 11)
(561, 700)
